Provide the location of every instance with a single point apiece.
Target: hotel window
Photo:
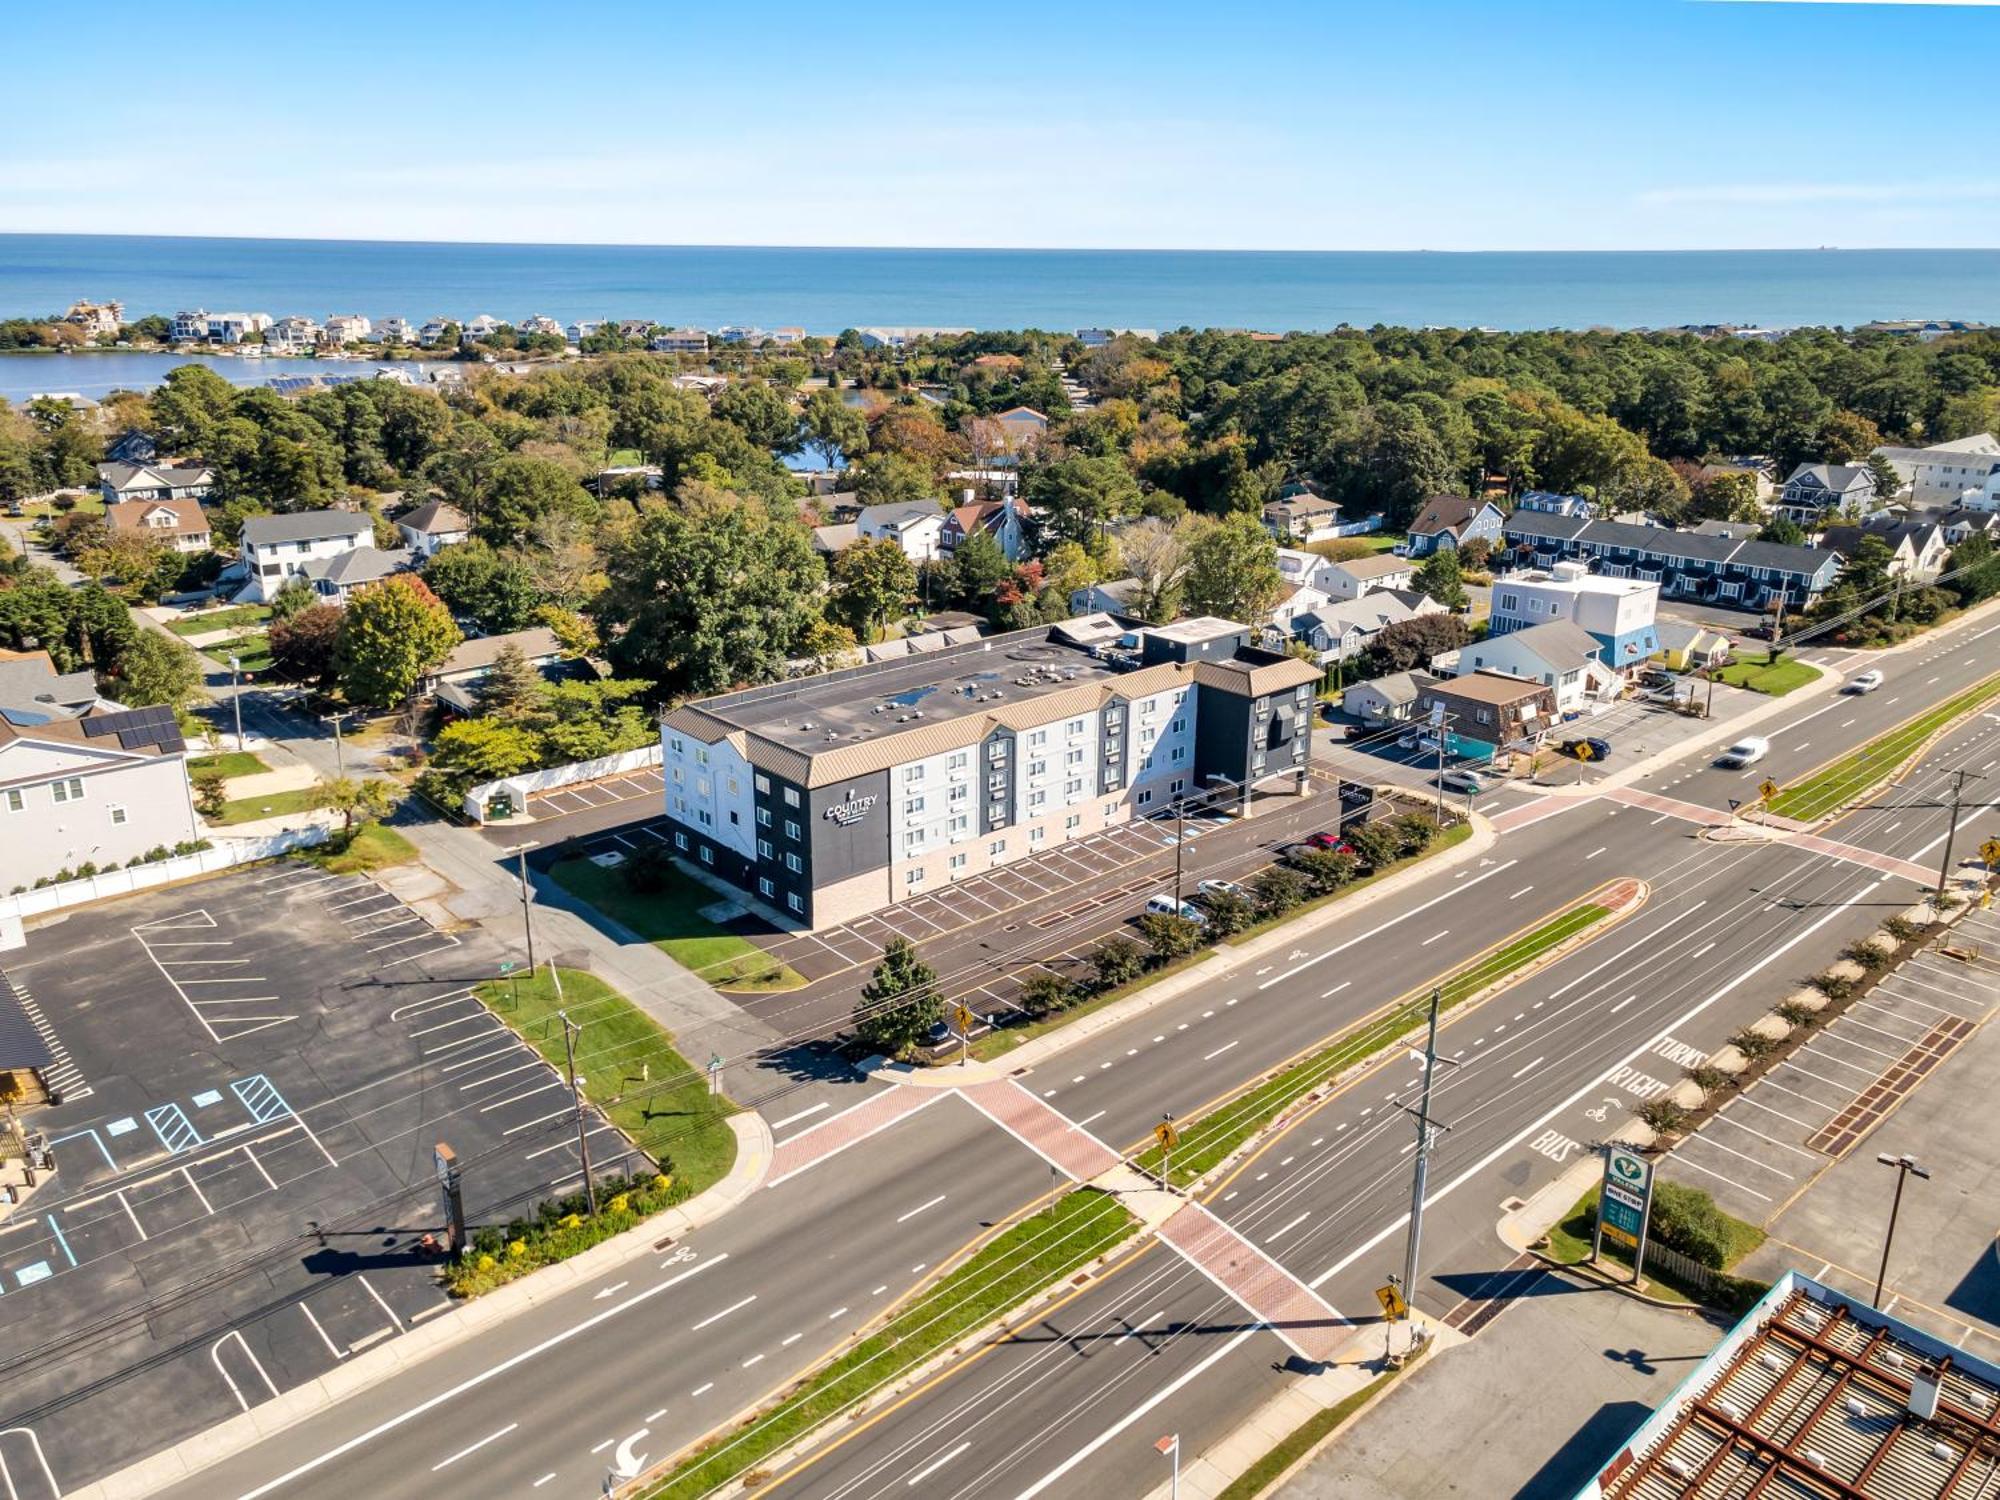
(1178, 725)
(707, 855)
(957, 762)
(764, 886)
(1072, 790)
(69, 790)
(1073, 758)
(913, 877)
(763, 817)
(704, 817)
(762, 782)
(912, 774)
(1145, 797)
(1037, 799)
(763, 848)
(997, 848)
(960, 824)
(914, 839)
(1073, 822)
(959, 794)
(1111, 809)
(957, 862)
(1038, 738)
(680, 777)
(681, 842)
(795, 902)
(1037, 835)
(117, 815)
(1074, 727)
(701, 755)
(1180, 753)
(912, 806)
(734, 788)
(794, 863)
(701, 785)
(1177, 784)
(791, 796)
(1038, 768)
(791, 829)
(675, 745)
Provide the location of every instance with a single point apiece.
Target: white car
(1745, 752)
(1469, 782)
(1219, 888)
(1164, 905)
(1867, 682)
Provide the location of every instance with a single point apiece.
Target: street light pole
(1420, 1179)
(1906, 1167)
(1170, 1447)
(236, 698)
(527, 926)
(571, 1030)
(1951, 824)
(1180, 843)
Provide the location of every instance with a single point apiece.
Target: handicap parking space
(284, 1123)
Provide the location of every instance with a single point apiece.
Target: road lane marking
(1218, 1052)
(1597, 851)
(1385, 926)
(920, 1208)
(804, 1114)
(655, 1416)
(1621, 1005)
(700, 1389)
(937, 1463)
(1289, 1227)
(718, 1317)
(1336, 989)
(1520, 893)
(1530, 1067)
(491, 1437)
(1441, 932)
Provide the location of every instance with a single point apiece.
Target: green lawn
(373, 847)
(87, 505)
(252, 652)
(671, 918)
(1569, 1242)
(1214, 1136)
(237, 617)
(249, 809)
(1854, 775)
(229, 763)
(629, 1066)
(1027, 1258)
(1759, 675)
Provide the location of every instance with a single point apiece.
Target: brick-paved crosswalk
(1294, 1311)
(1042, 1129)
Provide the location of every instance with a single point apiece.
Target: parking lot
(642, 785)
(1770, 1142)
(263, 1063)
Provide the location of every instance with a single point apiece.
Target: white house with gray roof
(917, 526)
(1561, 655)
(276, 548)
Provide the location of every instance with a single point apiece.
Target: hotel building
(832, 796)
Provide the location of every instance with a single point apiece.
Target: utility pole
(527, 926)
(1951, 823)
(236, 698)
(1422, 1174)
(571, 1031)
(1906, 1167)
(339, 751)
(1180, 844)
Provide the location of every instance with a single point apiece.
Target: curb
(395, 1356)
(1226, 959)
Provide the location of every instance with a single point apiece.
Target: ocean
(826, 290)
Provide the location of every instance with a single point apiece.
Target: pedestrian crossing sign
(1767, 789)
(1393, 1305)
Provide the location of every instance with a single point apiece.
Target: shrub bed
(560, 1228)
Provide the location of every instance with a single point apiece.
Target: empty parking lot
(263, 1064)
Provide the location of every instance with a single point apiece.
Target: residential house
(1687, 647)
(1619, 613)
(1003, 520)
(1549, 503)
(1923, 330)
(132, 447)
(32, 690)
(154, 482)
(702, 385)
(623, 479)
(76, 401)
(399, 330)
(1736, 531)
(1386, 700)
(1097, 338)
(1561, 655)
(1761, 472)
(917, 526)
(1339, 629)
(634, 328)
(541, 323)
(348, 328)
(582, 329)
(1957, 525)
(181, 524)
(455, 681)
(1303, 518)
(218, 328)
(1484, 712)
(190, 325)
(1935, 477)
(97, 319)
(1364, 575)
(336, 578)
(482, 327)
(431, 526)
(829, 541)
(295, 333)
(738, 333)
(788, 336)
(276, 548)
(1453, 521)
(1115, 596)
(100, 789)
(1919, 547)
(902, 338)
(1294, 600)
(679, 341)
(1022, 429)
(1739, 574)
(976, 484)
(1295, 566)
(1815, 491)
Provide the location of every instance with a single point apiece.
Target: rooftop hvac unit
(1729, 1409)
(1943, 1452)
(1816, 1458)
(1924, 1397)
(1676, 1468)
(1856, 1407)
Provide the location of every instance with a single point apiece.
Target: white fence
(138, 877)
(518, 788)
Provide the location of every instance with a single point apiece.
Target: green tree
(154, 668)
(1888, 483)
(511, 688)
(294, 597)
(1277, 890)
(1439, 579)
(1155, 553)
(1232, 568)
(1229, 912)
(519, 491)
(211, 793)
(712, 601)
(1118, 960)
(893, 479)
(367, 799)
(763, 416)
(872, 583)
(831, 424)
(1978, 570)
(1081, 495)
(900, 1005)
(470, 751)
(981, 563)
(391, 634)
(303, 647)
(1169, 937)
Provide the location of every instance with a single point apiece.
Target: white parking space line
(388, 1311)
(1680, 1157)
(1727, 1119)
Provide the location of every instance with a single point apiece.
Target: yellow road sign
(1166, 1135)
(1767, 789)
(1393, 1305)
(962, 1019)
(1989, 853)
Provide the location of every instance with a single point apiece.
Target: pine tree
(884, 1020)
(512, 689)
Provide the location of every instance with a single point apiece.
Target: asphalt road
(1728, 929)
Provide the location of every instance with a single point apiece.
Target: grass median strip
(1022, 1260)
(1855, 775)
(1210, 1139)
(630, 1068)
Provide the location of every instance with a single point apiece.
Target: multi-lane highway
(682, 1340)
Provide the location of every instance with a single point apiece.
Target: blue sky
(1442, 124)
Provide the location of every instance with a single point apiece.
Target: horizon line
(6, 235)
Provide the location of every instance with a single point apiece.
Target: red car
(1331, 841)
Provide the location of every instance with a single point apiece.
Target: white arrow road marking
(611, 1291)
(624, 1462)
